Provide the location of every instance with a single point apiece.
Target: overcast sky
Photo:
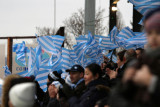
(21, 17)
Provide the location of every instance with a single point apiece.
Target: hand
(52, 90)
(143, 76)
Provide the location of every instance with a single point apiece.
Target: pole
(90, 16)
(55, 14)
(136, 19)
(9, 53)
(112, 17)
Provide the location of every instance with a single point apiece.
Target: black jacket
(68, 92)
(53, 103)
(95, 91)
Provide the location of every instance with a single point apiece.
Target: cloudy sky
(21, 17)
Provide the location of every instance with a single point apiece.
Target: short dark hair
(121, 54)
(142, 50)
(152, 13)
(95, 69)
(130, 54)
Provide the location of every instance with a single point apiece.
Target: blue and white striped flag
(51, 44)
(107, 44)
(123, 35)
(140, 39)
(68, 59)
(126, 33)
(55, 62)
(81, 38)
(42, 76)
(23, 73)
(144, 2)
(114, 32)
(21, 51)
(35, 60)
(114, 58)
(144, 9)
(6, 71)
(111, 55)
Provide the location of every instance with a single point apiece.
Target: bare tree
(75, 23)
(45, 31)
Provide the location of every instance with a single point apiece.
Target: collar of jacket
(78, 82)
(96, 82)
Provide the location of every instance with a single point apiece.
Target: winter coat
(53, 103)
(69, 92)
(95, 91)
(45, 99)
(113, 82)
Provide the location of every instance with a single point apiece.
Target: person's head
(130, 54)
(102, 103)
(6, 87)
(120, 58)
(22, 95)
(53, 89)
(110, 66)
(139, 52)
(92, 72)
(103, 65)
(152, 28)
(53, 76)
(76, 73)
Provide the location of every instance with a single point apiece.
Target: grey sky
(20, 17)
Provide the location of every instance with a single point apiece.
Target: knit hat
(22, 95)
(54, 76)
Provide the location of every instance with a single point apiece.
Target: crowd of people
(134, 81)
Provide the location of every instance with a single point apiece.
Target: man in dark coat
(78, 84)
(124, 58)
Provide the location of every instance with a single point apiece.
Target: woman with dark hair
(96, 88)
(152, 28)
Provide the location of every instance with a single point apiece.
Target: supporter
(44, 96)
(124, 58)
(96, 88)
(53, 94)
(77, 81)
(140, 85)
(5, 89)
(120, 58)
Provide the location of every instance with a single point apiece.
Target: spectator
(44, 96)
(53, 93)
(96, 88)
(120, 58)
(5, 89)
(152, 28)
(76, 78)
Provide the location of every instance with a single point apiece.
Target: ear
(96, 76)
(81, 74)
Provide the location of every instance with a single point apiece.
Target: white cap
(57, 84)
(22, 95)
